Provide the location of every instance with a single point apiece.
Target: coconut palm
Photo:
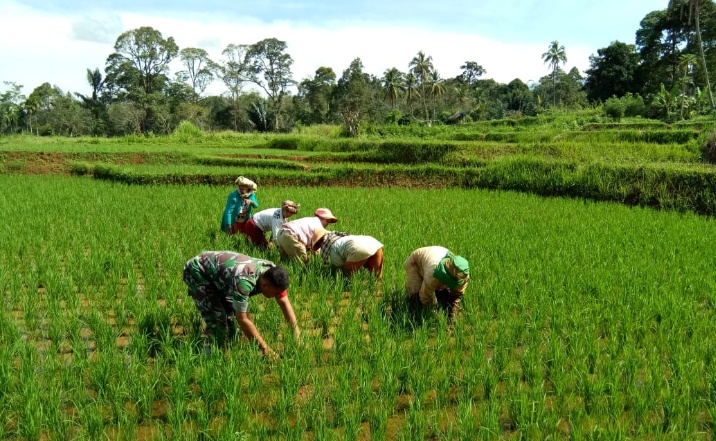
(694, 11)
(686, 64)
(394, 84)
(436, 88)
(421, 66)
(554, 56)
(411, 90)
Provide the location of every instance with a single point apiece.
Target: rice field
(583, 320)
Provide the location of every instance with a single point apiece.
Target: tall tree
(270, 69)
(198, 69)
(411, 90)
(11, 101)
(613, 72)
(554, 56)
(471, 73)
(421, 66)
(393, 84)
(234, 70)
(138, 70)
(658, 41)
(436, 89)
(352, 96)
(95, 102)
(316, 93)
(686, 64)
(694, 11)
(145, 51)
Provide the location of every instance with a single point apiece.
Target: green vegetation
(583, 320)
(663, 76)
(580, 155)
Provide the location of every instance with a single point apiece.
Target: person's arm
(253, 201)
(427, 289)
(285, 304)
(249, 329)
(231, 203)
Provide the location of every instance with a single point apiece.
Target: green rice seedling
(416, 423)
(212, 379)
(141, 391)
(92, 416)
(378, 422)
(569, 299)
(466, 419)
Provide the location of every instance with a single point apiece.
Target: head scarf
(290, 206)
(245, 181)
(453, 271)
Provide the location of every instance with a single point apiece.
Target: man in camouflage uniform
(221, 283)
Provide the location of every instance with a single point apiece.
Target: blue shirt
(234, 207)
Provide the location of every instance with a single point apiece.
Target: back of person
(304, 227)
(264, 219)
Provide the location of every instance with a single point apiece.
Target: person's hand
(270, 354)
(230, 229)
(297, 334)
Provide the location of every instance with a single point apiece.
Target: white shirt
(270, 219)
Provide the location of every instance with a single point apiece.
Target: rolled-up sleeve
(239, 293)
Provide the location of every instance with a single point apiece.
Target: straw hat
(317, 236)
(325, 213)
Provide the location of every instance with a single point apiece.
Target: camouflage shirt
(227, 273)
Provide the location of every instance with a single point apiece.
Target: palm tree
(554, 56)
(686, 63)
(394, 84)
(436, 88)
(411, 90)
(695, 11)
(421, 66)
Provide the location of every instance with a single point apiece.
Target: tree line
(664, 75)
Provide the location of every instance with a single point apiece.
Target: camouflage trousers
(215, 308)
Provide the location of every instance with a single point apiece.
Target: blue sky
(55, 41)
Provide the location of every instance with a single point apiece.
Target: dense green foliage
(665, 76)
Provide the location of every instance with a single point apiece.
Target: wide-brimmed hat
(290, 206)
(317, 236)
(245, 181)
(325, 213)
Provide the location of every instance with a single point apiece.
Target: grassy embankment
(638, 163)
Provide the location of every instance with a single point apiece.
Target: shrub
(415, 152)
(633, 105)
(708, 148)
(614, 108)
(80, 168)
(186, 131)
(393, 117)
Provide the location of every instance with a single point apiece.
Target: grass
(583, 320)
